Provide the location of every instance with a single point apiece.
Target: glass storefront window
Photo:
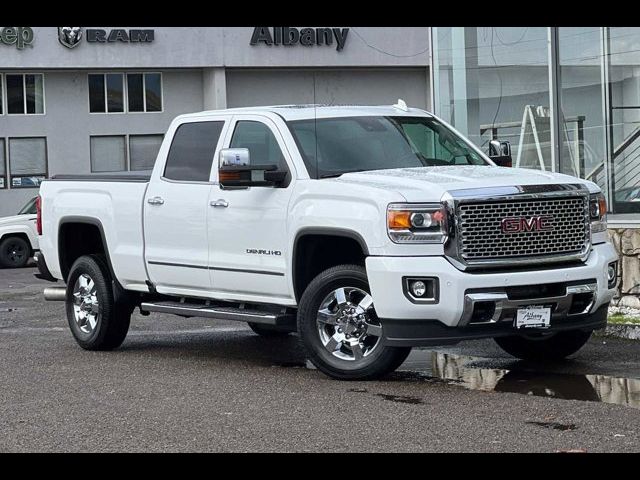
(492, 82)
(624, 85)
(582, 134)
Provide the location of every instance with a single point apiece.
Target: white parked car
(19, 237)
(367, 230)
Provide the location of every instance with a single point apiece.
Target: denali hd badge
(523, 224)
(69, 36)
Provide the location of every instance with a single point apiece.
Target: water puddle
(468, 372)
(563, 427)
(400, 398)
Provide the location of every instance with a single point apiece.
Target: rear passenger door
(176, 209)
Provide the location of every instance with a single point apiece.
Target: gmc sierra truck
(366, 230)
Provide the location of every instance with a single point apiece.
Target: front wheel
(340, 330)
(553, 347)
(14, 252)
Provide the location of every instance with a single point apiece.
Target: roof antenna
(401, 105)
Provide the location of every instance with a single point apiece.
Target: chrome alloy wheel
(85, 304)
(348, 325)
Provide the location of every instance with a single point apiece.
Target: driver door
(248, 225)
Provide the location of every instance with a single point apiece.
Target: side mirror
(235, 170)
(500, 153)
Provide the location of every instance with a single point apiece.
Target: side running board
(221, 313)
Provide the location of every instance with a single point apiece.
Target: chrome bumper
(504, 308)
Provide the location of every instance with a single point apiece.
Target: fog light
(418, 288)
(612, 274)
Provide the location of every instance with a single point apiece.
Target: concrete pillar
(214, 86)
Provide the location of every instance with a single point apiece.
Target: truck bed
(113, 202)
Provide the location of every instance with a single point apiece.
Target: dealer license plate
(535, 316)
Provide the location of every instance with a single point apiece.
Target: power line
(387, 53)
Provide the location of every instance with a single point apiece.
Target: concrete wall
(68, 124)
(222, 46)
(332, 86)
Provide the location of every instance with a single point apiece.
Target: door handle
(156, 201)
(219, 203)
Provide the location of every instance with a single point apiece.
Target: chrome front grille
(481, 238)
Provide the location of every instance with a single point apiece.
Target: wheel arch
(332, 245)
(84, 225)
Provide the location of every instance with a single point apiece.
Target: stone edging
(629, 331)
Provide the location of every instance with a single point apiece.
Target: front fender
(8, 230)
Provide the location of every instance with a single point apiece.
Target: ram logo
(70, 36)
(523, 224)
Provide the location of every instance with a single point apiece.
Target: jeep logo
(19, 36)
(523, 224)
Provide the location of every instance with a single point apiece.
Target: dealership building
(98, 99)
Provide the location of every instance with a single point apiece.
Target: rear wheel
(96, 320)
(550, 347)
(14, 252)
(340, 330)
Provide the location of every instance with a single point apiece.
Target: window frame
(5, 148)
(127, 148)
(5, 110)
(125, 92)
(161, 135)
(126, 152)
(8, 160)
(2, 96)
(144, 92)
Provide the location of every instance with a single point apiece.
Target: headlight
(598, 212)
(416, 223)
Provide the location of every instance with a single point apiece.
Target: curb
(629, 331)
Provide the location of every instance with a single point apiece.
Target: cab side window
(192, 150)
(263, 146)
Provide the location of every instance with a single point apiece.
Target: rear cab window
(192, 151)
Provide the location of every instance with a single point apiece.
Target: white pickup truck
(366, 230)
(19, 237)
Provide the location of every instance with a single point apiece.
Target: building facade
(99, 99)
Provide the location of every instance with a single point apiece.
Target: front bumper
(460, 290)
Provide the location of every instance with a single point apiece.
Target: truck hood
(428, 184)
(16, 220)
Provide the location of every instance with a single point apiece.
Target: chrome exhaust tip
(55, 294)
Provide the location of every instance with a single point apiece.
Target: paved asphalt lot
(199, 385)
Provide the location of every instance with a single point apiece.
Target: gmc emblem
(523, 224)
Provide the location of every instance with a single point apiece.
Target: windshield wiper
(334, 175)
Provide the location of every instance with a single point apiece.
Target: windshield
(29, 208)
(356, 144)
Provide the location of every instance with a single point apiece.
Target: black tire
(544, 348)
(268, 330)
(113, 318)
(14, 252)
(382, 359)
